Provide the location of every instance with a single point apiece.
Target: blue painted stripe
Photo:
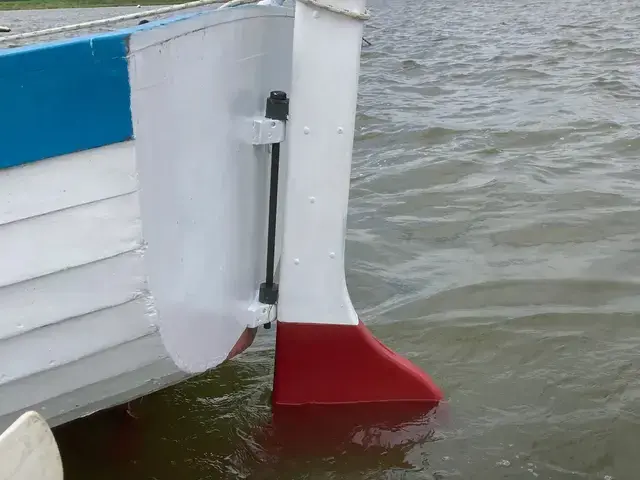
(66, 96)
(63, 97)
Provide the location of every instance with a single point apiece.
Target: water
(494, 234)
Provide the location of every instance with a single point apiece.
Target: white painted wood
(74, 339)
(115, 390)
(69, 238)
(195, 85)
(99, 381)
(28, 450)
(70, 293)
(326, 63)
(74, 291)
(67, 181)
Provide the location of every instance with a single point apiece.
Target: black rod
(277, 109)
(273, 212)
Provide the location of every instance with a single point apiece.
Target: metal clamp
(263, 314)
(267, 131)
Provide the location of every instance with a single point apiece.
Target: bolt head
(278, 95)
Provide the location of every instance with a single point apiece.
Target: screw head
(278, 95)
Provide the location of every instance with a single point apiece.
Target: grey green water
(494, 239)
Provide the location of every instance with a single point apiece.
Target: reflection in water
(379, 431)
(353, 440)
(111, 436)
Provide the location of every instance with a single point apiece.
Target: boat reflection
(351, 437)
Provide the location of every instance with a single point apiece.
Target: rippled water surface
(494, 239)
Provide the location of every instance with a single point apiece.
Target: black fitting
(268, 293)
(277, 106)
(277, 109)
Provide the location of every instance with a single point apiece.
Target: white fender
(28, 450)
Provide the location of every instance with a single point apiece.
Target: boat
(29, 450)
(169, 188)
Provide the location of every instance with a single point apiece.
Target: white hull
(78, 330)
(136, 264)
